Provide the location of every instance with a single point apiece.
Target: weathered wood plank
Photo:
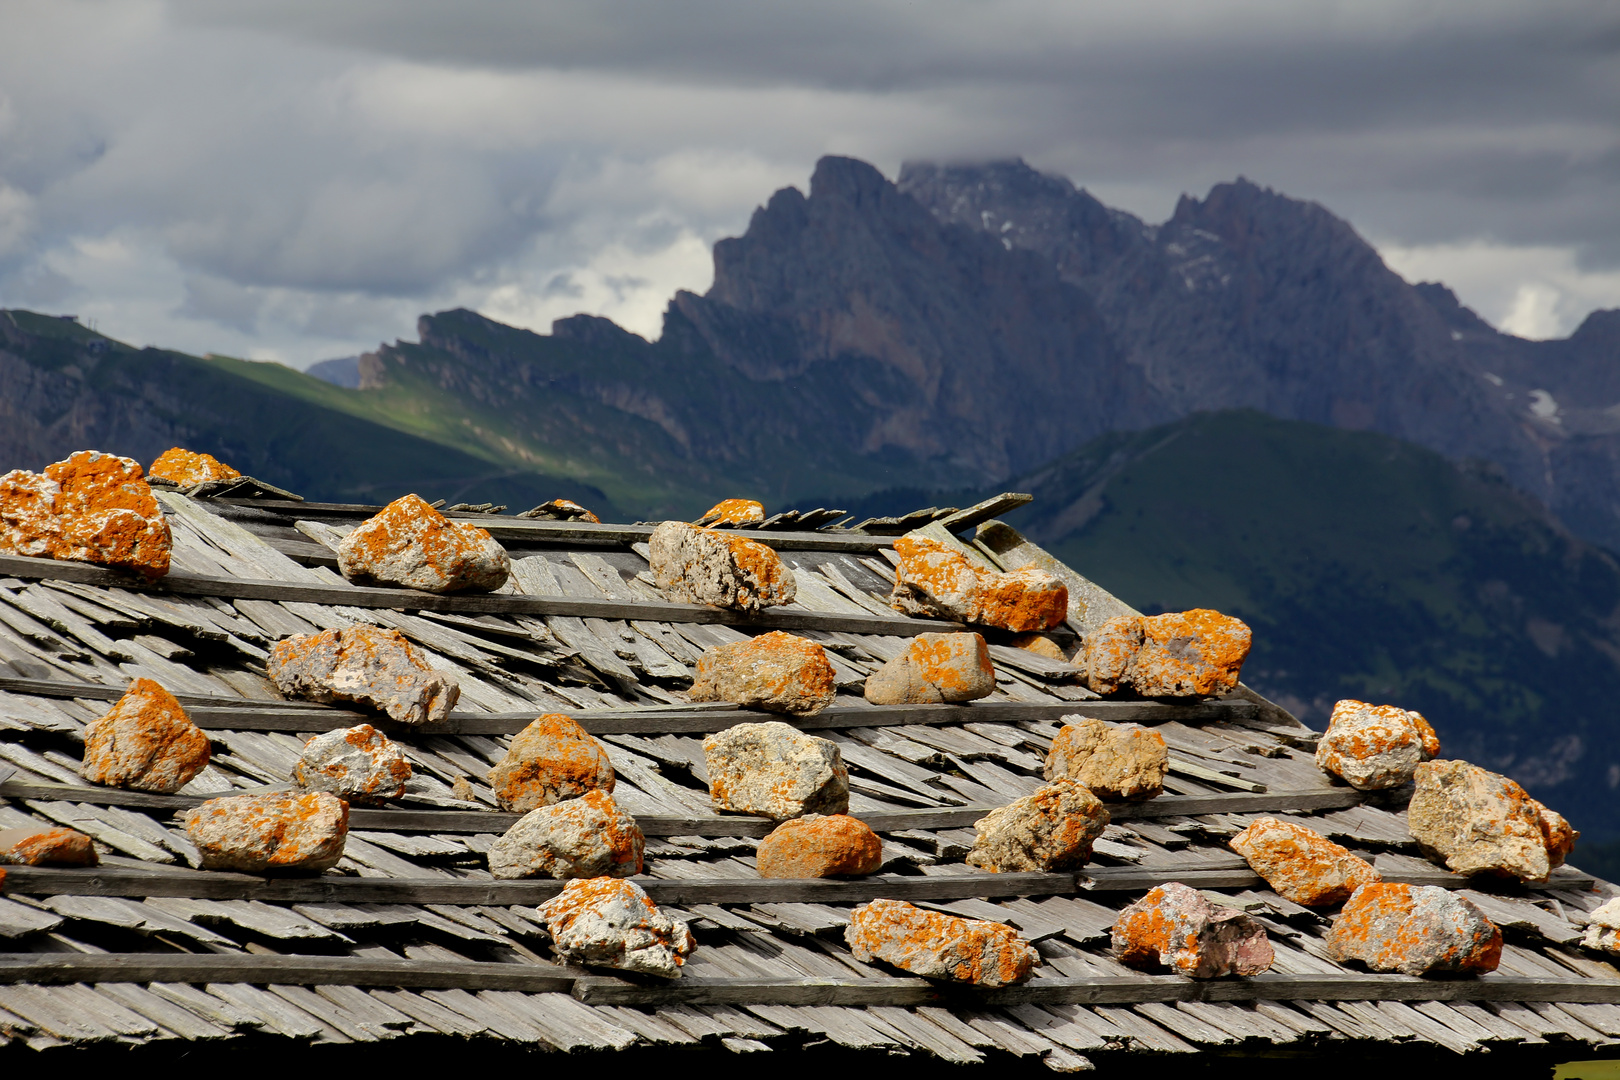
(69, 968)
(179, 584)
(963, 520)
(484, 821)
(1098, 991)
(240, 714)
(576, 532)
(105, 881)
(196, 884)
(60, 968)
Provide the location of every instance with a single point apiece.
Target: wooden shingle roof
(409, 934)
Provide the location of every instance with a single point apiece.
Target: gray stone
(1414, 929)
(279, 831)
(585, 837)
(776, 771)
(410, 543)
(1051, 829)
(718, 568)
(368, 665)
(357, 764)
(1175, 927)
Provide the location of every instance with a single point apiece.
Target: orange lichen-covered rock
(776, 771)
(1175, 927)
(1414, 929)
(934, 668)
(608, 922)
(1301, 864)
(1480, 822)
(358, 764)
(1375, 746)
(280, 831)
(938, 946)
(1196, 653)
(1116, 761)
(551, 760)
(1560, 837)
(933, 579)
(91, 507)
(28, 523)
(733, 512)
(187, 469)
(146, 742)
(368, 665)
(817, 846)
(585, 837)
(411, 544)
(706, 566)
(777, 672)
(46, 846)
(1051, 829)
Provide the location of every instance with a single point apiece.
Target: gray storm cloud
(284, 178)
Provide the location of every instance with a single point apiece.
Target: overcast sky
(299, 179)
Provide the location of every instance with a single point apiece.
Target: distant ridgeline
(970, 324)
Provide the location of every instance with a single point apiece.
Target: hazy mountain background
(1240, 408)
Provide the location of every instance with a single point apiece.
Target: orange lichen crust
(938, 946)
(28, 523)
(1115, 761)
(818, 846)
(957, 664)
(609, 922)
(933, 579)
(91, 507)
(266, 833)
(551, 760)
(1477, 821)
(733, 512)
(46, 846)
(1175, 927)
(145, 742)
(778, 672)
(109, 516)
(1375, 746)
(1560, 836)
(934, 668)
(186, 468)
(410, 543)
(1414, 929)
(1301, 864)
(1196, 653)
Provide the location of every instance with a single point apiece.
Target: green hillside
(1368, 568)
(265, 419)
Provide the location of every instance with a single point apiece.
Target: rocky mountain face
(64, 387)
(972, 322)
(1251, 299)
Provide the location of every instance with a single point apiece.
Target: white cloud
(1533, 292)
(299, 179)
